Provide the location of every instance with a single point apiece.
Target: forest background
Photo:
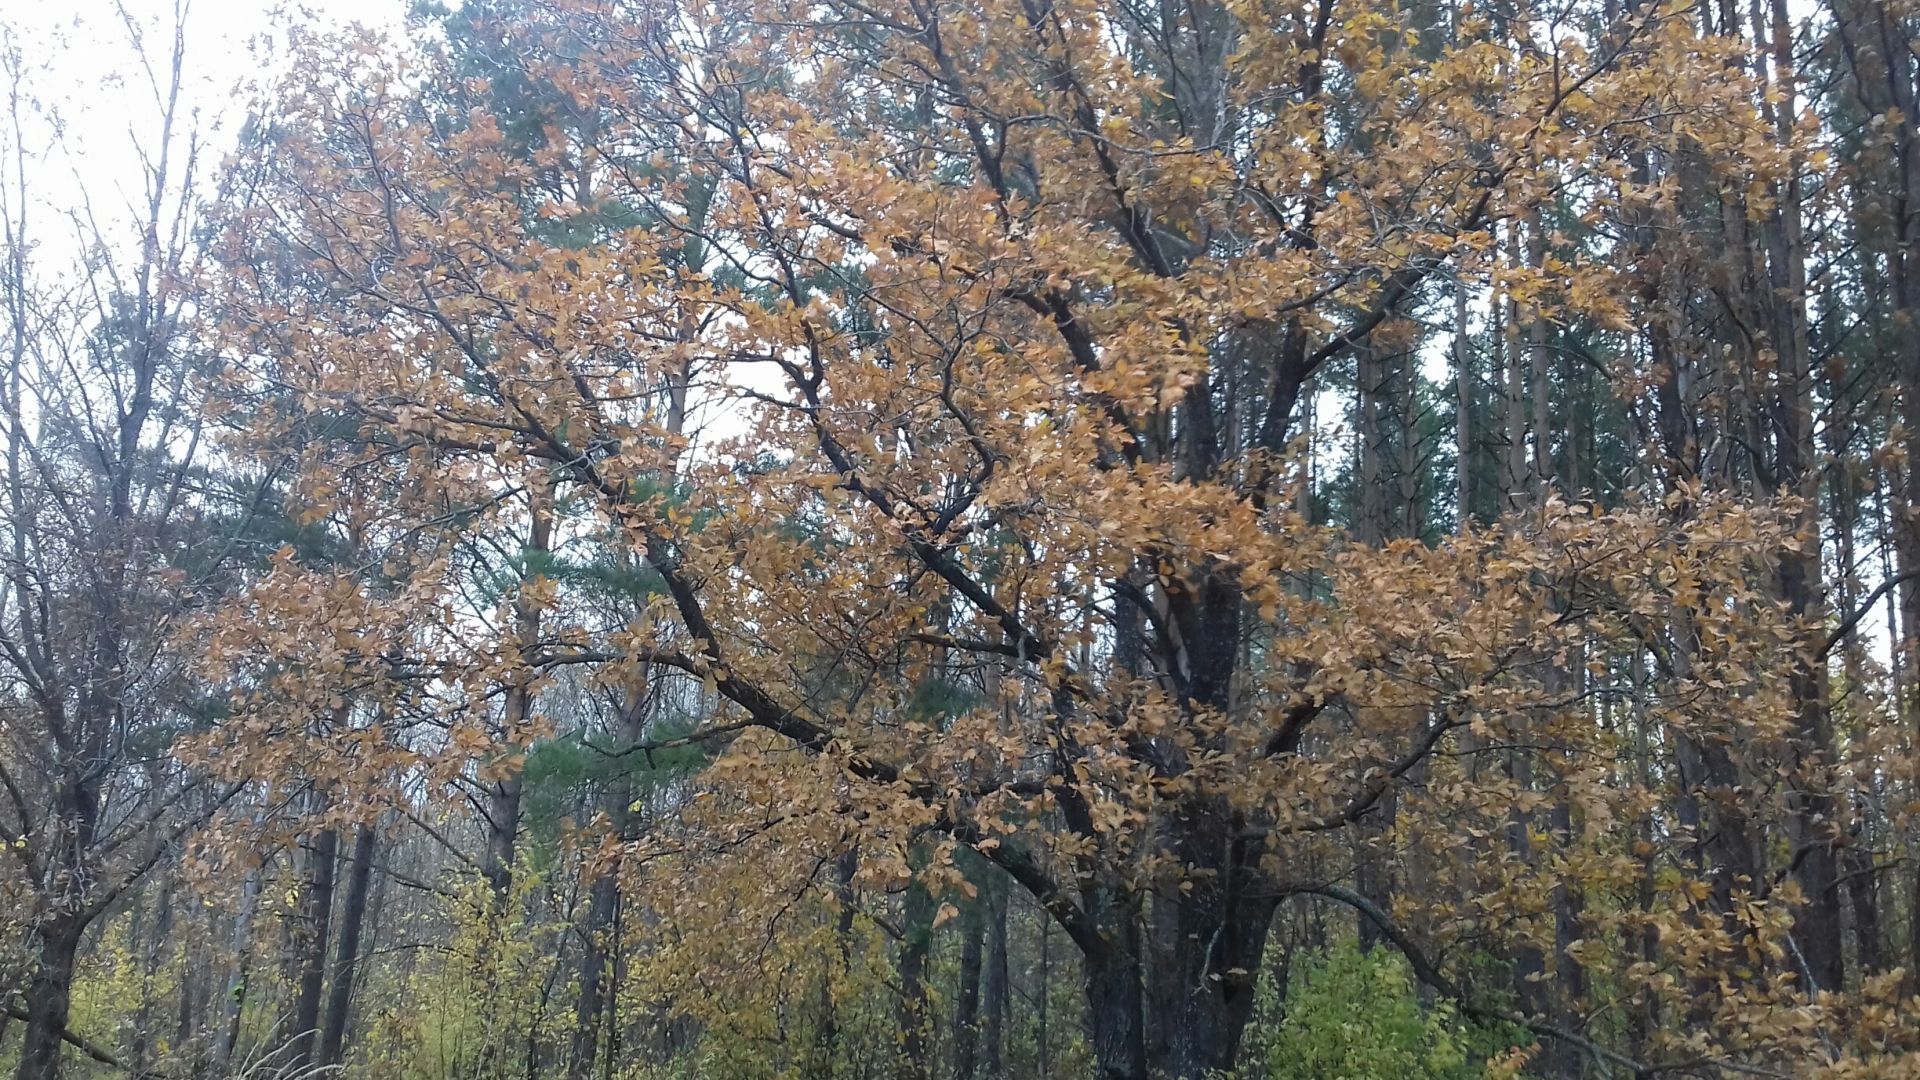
(896, 538)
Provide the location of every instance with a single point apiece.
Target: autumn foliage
(1236, 507)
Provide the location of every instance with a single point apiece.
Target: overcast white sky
(90, 106)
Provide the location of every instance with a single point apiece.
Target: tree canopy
(1205, 517)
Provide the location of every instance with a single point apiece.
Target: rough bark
(590, 1006)
(49, 996)
(1811, 825)
(844, 869)
(914, 1007)
(994, 982)
(1465, 455)
(966, 1009)
(153, 947)
(503, 833)
(353, 910)
(1112, 971)
(316, 913)
(1206, 946)
(595, 1004)
(504, 791)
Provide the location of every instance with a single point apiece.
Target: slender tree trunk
(1043, 1041)
(994, 983)
(316, 913)
(1517, 483)
(612, 994)
(187, 1045)
(1370, 512)
(845, 867)
(594, 1005)
(1846, 490)
(1540, 371)
(507, 784)
(914, 1013)
(1373, 526)
(1645, 1019)
(1884, 68)
(966, 1012)
(1524, 487)
(1410, 517)
(1812, 825)
(590, 1007)
(236, 988)
(353, 909)
(156, 936)
(1863, 881)
(504, 793)
(1464, 455)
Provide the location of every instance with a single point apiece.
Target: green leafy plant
(1356, 1015)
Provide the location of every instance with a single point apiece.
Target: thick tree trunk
(1170, 984)
(49, 996)
(1114, 1014)
(844, 869)
(1191, 950)
(1206, 945)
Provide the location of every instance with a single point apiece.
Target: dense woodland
(1293, 539)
